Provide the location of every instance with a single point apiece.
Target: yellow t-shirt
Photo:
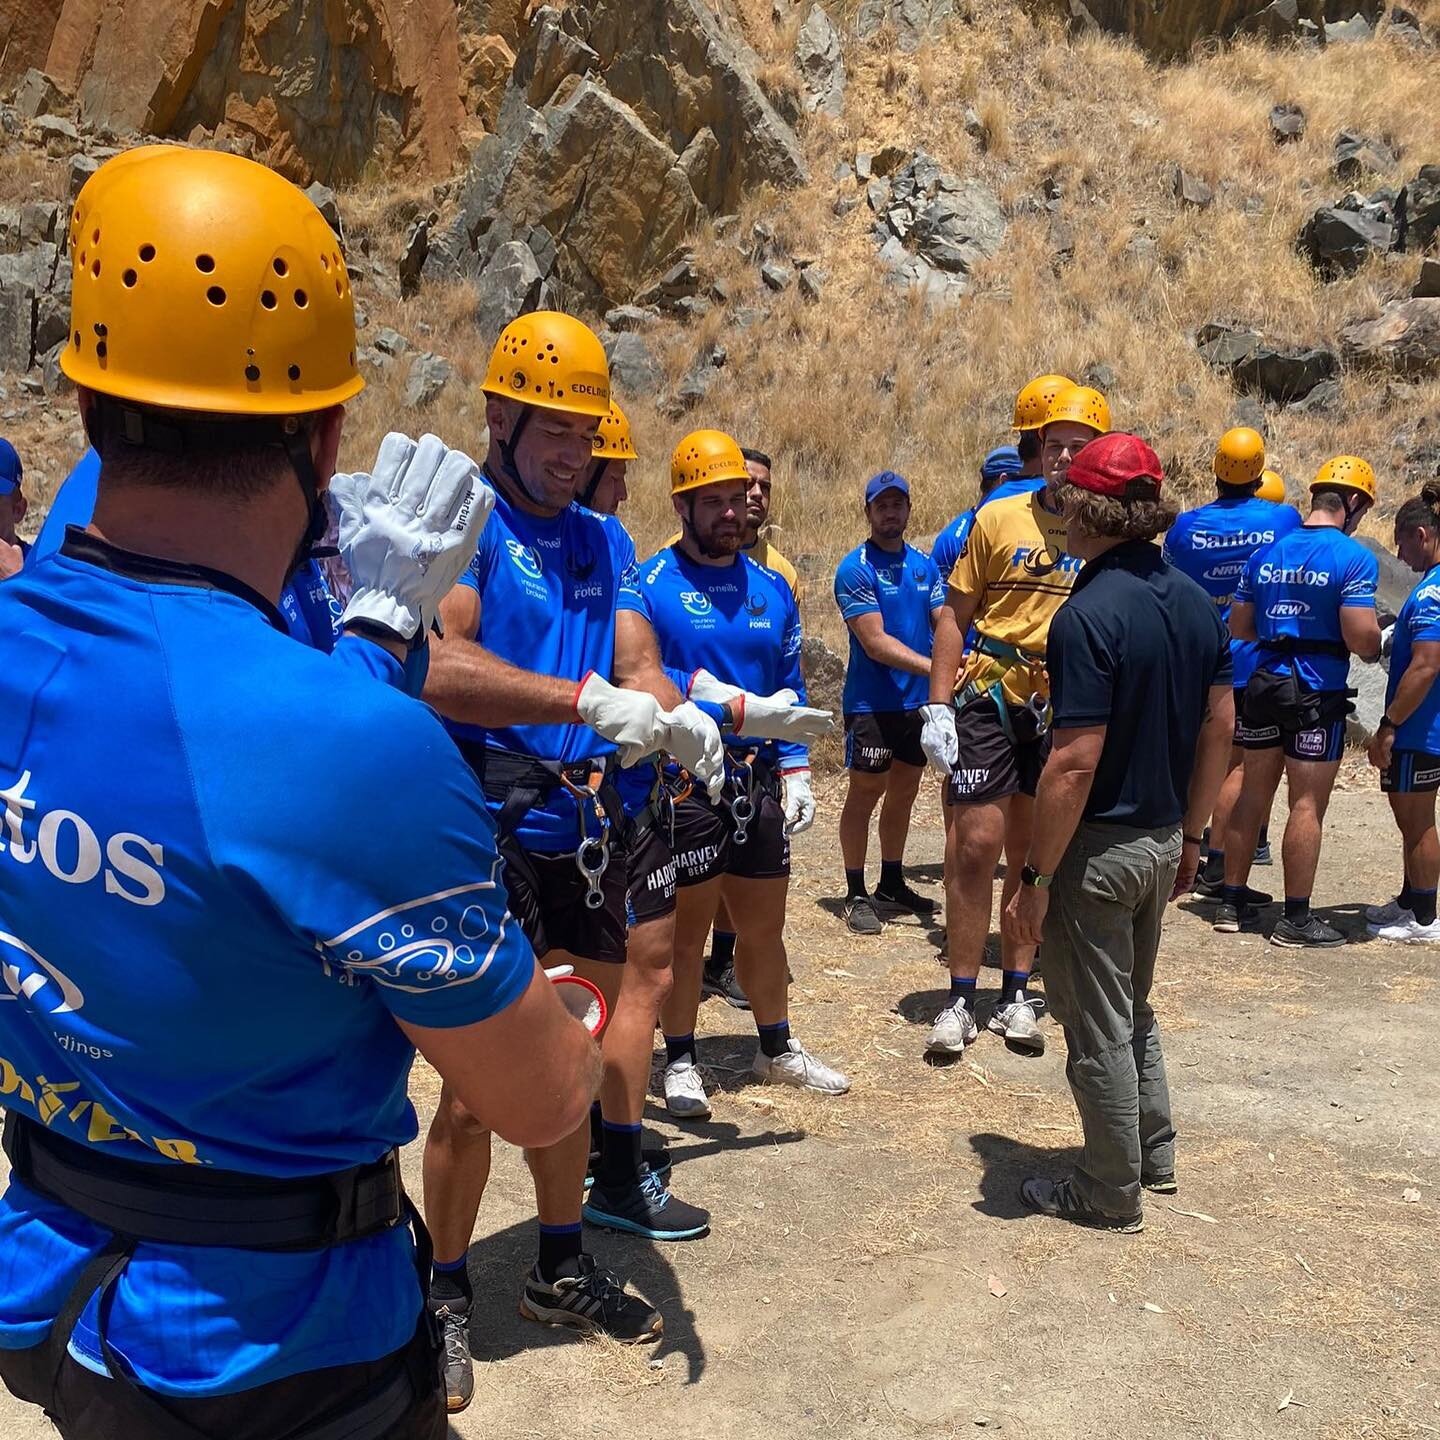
(762, 552)
(1015, 562)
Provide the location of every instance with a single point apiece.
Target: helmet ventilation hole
(205, 263)
(128, 279)
(215, 295)
(147, 253)
(294, 372)
(281, 268)
(95, 269)
(301, 299)
(324, 262)
(101, 349)
(267, 299)
(252, 373)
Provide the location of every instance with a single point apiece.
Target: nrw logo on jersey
(696, 602)
(527, 560)
(28, 975)
(1288, 610)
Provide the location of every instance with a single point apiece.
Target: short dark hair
(1030, 446)
(1234, 492)
(242, 473)
(1109, 518)
(757, 457)
(1331, 498)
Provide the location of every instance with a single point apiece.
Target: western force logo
(526, 559)
(696, 602)
(1040, 560)
(31, 977)
(582, 566)
(755, 605)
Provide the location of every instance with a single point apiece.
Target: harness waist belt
(1004, 650)
(188, 1205)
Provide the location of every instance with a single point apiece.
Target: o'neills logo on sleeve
(66, 845)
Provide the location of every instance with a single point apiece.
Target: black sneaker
(860, 916)
(591, 1300)
(655, 1157)
(1311, 933)
(1160, 1184)
(1058, 1198)
(646, 1208)
(724, 984)
(906, 899)
(1215, 890)
(1262, 855)
(1229, 919)
(459, 1365)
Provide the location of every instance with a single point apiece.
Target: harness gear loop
(1010, 656)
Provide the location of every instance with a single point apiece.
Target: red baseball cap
(1120, 465)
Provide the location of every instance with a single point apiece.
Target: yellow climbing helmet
(705, 457)
(612, 439)
(1272, 488)
(1348, 472)
(1240, 456)
(1083, 406)
(1033, 403)
(552, 361)
(204, 281)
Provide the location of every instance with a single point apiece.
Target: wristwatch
(1030, 876)
(1385, 723)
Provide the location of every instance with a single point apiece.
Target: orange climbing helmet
(551, 361)
(705, 457)
(1033, 403)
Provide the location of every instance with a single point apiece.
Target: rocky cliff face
(315, 88)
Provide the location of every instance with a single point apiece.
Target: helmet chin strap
(586, 495)
(508, 465)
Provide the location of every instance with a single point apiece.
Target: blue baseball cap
(885, 480)
(11, 470)
(1000, 462)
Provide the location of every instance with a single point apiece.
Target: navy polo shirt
(1136, 648)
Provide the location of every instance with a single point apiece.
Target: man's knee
(455, 1125)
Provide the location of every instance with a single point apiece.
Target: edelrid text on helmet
(1080, 405)
(551, 361)
(705, 457)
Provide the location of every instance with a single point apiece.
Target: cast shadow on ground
(1006, 1162)
(1348, 918)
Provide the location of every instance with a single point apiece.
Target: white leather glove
(765, 717)
(631, 719)
(694, 740)
(408, 530)
(938, 738)
(799, 802)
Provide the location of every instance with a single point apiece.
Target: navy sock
(1264, 838)
(1297, 909)
(854, 883)
(892, 876)
(774, 1039)
(1215, 866)
(558, 1243)
(963, 989)
(619, 1155)
(722, 949)
(680, 1047)
(1406, 898)
(1012, 985)
(450, 1286)
(1233, 895)
(1422, 905)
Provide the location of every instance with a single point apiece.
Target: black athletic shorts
(649, 872)
(1239, 715)
(1411, 772)
(874, 738)
(1280, 711)
(705, 834)
(994, 764)
(83, 1403)
(547, 896)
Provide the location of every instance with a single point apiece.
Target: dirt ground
(871, 1272)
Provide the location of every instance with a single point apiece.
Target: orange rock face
(318, 88)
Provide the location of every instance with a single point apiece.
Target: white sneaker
(1390, 913)
(685, 1091)
(1018, 1024)
(799, 1068)
(953, 1030)
(1409, 931)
